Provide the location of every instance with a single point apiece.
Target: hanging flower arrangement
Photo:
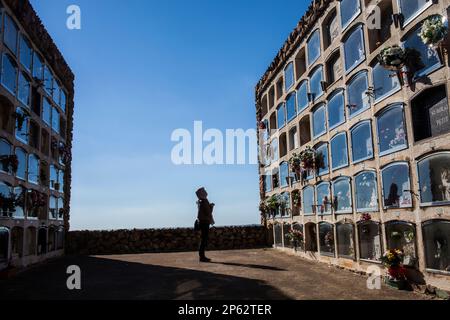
(308, 158)
(273, 204)
(296, 163)
(37, 199)
(296, 237)
(393, 260)
(433, 30)
(262, 125)
(10, 163)
(8, 203)
(319, 162)
(65, 153)
(366, 217)
(284, 202)
(20, 119)
(296, 199)
(263, 208)
(393, 58)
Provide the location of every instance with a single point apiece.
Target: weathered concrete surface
(246, 274)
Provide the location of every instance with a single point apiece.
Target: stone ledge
(424, 289)
(163, 240)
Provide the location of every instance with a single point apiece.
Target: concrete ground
(242, 275)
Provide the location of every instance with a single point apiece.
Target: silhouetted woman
(205, 218)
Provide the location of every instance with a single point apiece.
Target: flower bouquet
(433, 30)
(393, 260)
(296, 237)
(393, 58)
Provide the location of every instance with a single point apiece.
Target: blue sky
(145, 68)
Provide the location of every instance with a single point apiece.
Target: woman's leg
(204, 239)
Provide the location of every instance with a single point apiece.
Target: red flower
(397, 272)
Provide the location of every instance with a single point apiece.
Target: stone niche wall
(163, 240)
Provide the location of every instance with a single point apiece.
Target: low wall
(163, 240)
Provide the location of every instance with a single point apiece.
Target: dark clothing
(204, 229)
(205, 217)
(205, 211)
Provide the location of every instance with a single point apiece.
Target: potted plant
(366, 217)
(296, 237)
(273, 204)
(433, 31)
(393, 260)
(10, 162)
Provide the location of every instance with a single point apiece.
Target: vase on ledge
(399, 284)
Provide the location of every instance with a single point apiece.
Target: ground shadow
(104, 279)
(252, 266)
